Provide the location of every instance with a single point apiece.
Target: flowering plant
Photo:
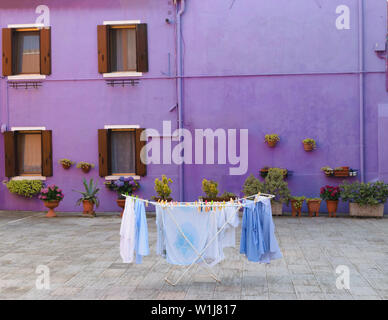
(84, 165)
(66, 162)
(51, 193)
(124, 186)
(272, 137)
(330, 193)
(162, 187)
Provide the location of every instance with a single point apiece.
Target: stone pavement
(84, 263)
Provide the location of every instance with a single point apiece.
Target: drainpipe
(361, 84)
(180, 87)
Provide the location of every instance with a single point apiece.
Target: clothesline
(202, 204)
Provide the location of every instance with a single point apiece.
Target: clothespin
(146, 203)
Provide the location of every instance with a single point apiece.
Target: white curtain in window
(29, 147)
(123, 50)
(123, 152)
(27, 52)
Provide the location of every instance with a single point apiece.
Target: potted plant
(226, 196)
(66, 163)
(25, 188)
(85, 166)
(309, 144)
(272, 139)
(328, 171)
(162, 188)
(264, 172)
(313, 205)
(123, 186)
(210, 188)
(296, 205)
(331, 195)
(273, 184)
(341, 172)
(51, 196)
(365, 199)
(89, 197)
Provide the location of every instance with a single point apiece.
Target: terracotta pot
(66, 166)
(308, 147)
(86, 169)
(332, 206)
(296, 211)
(88, 207)
(314, 206)
(272, 144)
(277, 208)
(51, 205)
(121, 204)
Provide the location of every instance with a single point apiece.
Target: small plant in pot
(272, 139)
(66, 163)
(365, 199)
(89, 197)
(296, 205)
(309, 144)
(51, 196)
(85, 166)
(123, 186)
(210, 188)
(162, 188)
(331, 195)
(328, 171)
(313, 205)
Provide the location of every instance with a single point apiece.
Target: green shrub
(228, 195)
(210, 188)
(162, 187)
(25, 188)
(273, 184)
(365, 193)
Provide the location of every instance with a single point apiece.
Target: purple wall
(261, 65)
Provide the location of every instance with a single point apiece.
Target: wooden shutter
(7, 51)
(103, 48)
(142, 47)
(45, 51)
(47, 153)
(10, 154)
(141, 168)
(103, 152)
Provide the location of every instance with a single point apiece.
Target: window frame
(110, 151)
(15, 54)
(17, 155)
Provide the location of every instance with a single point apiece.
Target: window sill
(18, 178)
(122, 74)
(114, 178)
(27, 77)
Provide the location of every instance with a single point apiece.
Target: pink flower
(59, 190)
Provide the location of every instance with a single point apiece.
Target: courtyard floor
(82, 255)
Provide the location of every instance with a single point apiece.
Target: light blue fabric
(258, 241)
(141, 240)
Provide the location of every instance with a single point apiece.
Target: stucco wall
(267, 66)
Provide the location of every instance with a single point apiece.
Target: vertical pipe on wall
(361, 84)
(180, 11)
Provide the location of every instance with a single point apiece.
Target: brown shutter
(103, 152)
(141, 168)
(47, 153)
(45, 51)
(9, 153)
(103, 45)
(141, 47)
(7, 51)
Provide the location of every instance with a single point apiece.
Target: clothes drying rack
(207, 206)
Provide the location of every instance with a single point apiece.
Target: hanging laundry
(133, 232)
(258, 240)
(184, 232)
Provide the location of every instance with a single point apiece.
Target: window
(28, 153)
(122, 48)
(26, 51)
(119, 152)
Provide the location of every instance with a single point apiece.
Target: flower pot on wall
(66, 166)
(85, 169)
(308, 147)
(332, 206)
(277, 208)
(51, 205)
(355, 210)
(121, 204)
(88, 207)
(313, 207)
(272, 144)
